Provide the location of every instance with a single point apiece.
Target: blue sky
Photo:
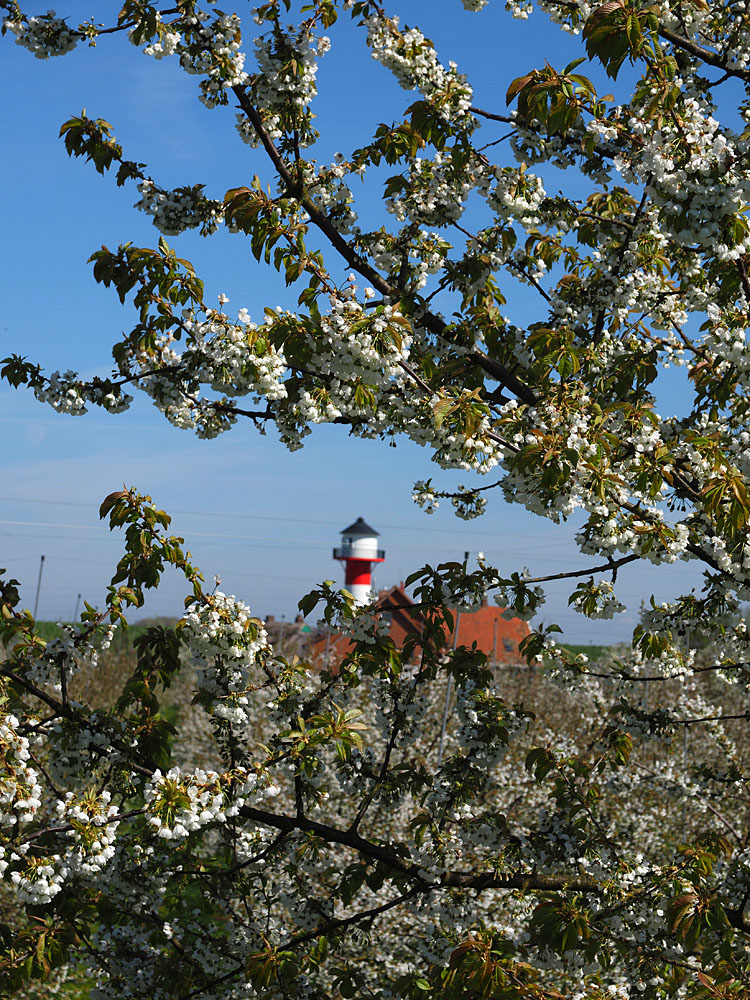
(263, 519)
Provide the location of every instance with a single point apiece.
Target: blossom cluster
(425, 496)
(211, 48)
(413, 61)
(434, 193)
(93, 823)
(175, 211)
(515, 192)
(692, 172)
(285, 83)
(333, 195)
(226, 643)
(164, 39)
(234, 357)
(597, 600)
(44, 35)
(66, 392)
(468, 504)
(20, 792)
(180, 804)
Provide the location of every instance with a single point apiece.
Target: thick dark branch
(434, 323)
(609, 567)
(267, 414)
(317, 217)
(347, 838)
(505, 377)
(531, 882)
(711, 718)
(69, 713)
(740, 665)
(691, 547)
(612, 565)
(389, 856)
(698, 552)
(50, 783)
(712, 58)
(123, 26)
(64, 827)
(36, 692)
(623, 675)
(213, 983)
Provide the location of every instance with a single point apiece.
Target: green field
(593, 652)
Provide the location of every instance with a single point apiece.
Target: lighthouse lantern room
(358, 551)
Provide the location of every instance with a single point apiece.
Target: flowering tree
(326, 839)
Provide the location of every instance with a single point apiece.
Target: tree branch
(505, 119)
(434, 323)
(505, 377)
(712, 58)
(613, 564)
(530, 882)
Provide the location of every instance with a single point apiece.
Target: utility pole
(38, 587)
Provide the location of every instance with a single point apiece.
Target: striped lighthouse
(358, 551)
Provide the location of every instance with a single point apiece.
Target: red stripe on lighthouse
(358, 571)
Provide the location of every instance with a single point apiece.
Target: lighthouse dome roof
(360, 527)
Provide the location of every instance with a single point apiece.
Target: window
(508, 645)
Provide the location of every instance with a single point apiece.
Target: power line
(193, 534)
(52, 524)
(269, 538)
(33, 554)
(270, 517)
(525, 551)
(285, 542)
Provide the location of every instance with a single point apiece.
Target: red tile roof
(496, 635)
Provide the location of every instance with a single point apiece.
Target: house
(497, 636)
(288, 638)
